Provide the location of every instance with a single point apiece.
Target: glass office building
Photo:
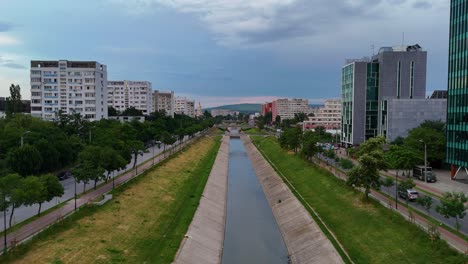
(457, 104)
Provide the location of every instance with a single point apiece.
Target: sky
(221, 51)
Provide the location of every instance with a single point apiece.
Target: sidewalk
(35, 227)
(453, 240)
(443, 184)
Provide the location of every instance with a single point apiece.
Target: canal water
(251, 235)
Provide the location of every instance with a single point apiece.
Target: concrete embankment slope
(205, 237)
(304, 239)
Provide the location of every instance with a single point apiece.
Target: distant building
(223, 112)
(439, 94)
(69, 87)
(457, 110)
(199, 111)
(385, 95)
(184, 106)
(164, 101)
(124, 119)
(126, 94)
(286, 108)
(328, 116)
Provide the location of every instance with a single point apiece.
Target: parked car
(418, 172)
(64, 175)
(409, 194)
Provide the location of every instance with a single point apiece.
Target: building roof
(439, 94)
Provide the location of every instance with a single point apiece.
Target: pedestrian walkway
(36, 226)
(443, 184)
(453, 240)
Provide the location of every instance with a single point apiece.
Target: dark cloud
(4, 27)
(422, 5)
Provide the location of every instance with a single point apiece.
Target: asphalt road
(435, 202)
(24, 212)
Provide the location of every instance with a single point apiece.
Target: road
(24, 212)
(391, 192)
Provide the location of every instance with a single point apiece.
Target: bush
(346, 164)
(329, 153)
(337, 159)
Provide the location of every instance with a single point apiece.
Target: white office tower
(184, 106)
(69, 87)
(125, 94)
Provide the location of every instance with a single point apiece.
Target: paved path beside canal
(305, 241)
(205, 237)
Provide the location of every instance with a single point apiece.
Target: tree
(13, 103)
(34, 191)
(132, 111)
(435, 141)
(453, 205)
(366, 174)
(111, 111)
(310, 147)
(25, 160)
(387, 182)
(136, 148)
(372, 144)
(112, 161)
(426, 202)
(268, 118)
(300, 117)
(402, 158)
(291, 138)
(51, 188)
(277, 121)
(85, 172)
(7, 185)
(12, 193)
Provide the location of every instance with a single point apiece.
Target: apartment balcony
(51, 96)
(49, 82)
(51, 90)
(49, 74)
(50, 104)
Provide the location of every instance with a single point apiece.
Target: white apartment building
(199, 111)
(125, 94)
(184, 106)
(287, 108)
(164, 101)
(328, 116)
(70, 87)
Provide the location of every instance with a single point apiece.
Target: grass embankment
(369, 232)
(255, 131)
(144, 223)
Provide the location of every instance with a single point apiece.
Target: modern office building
(164, 101)
(457, 103)
(286, 108)
(328, 116)
(377, 95)
(69, 87)
(184, 106)
(125, 94)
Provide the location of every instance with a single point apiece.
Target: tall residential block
(385, 95)
(286, 108)
(328, 116)
(69, 87)
(125, 94)
(457, 106)
(184, 106)
(164, 101)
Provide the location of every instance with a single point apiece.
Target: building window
(412, 80)
(399, 80)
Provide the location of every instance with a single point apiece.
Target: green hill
(243, 108)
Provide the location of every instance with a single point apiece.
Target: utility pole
(425, 162)
(75, 194)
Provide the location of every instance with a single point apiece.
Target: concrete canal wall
(205, 237)
(304, 239)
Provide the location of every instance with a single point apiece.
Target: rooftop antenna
(403, 39)
(373, 49)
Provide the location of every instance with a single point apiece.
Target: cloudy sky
(220, 51)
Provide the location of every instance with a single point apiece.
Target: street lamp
(425, 160)
(22, 135)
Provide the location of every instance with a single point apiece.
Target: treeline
(33, 151)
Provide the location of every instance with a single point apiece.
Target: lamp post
(22, 137)
(425, 160)
(75, 193)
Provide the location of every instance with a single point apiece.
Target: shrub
(346, 164)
